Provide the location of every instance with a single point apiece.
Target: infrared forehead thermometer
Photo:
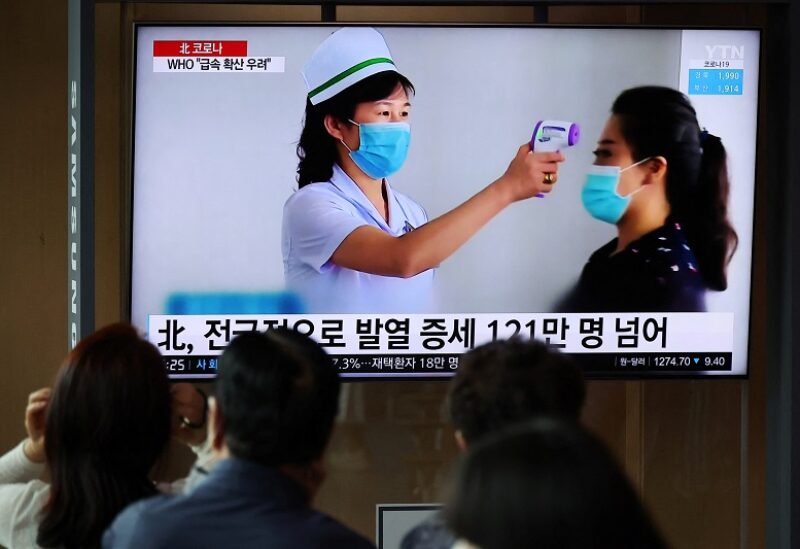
(554, 135)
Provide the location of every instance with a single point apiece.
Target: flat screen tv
(218, 112)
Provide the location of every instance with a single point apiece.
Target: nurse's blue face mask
(382, 149)
(599, 195)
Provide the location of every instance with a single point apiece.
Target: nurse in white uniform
(352, 243)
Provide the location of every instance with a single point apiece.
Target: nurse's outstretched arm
(369, 249)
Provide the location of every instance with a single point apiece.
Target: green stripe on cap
(342, 75)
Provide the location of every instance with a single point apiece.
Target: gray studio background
(215, 157)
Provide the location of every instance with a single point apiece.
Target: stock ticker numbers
(675, 362)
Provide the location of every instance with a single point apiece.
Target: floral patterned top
(656, 273)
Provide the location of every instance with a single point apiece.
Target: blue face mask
(599, 195)
(382, 149)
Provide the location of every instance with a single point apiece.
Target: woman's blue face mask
(382, 149)
(599, 195)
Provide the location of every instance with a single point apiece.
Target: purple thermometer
(554, 135)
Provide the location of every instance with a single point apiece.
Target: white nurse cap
(347, 56)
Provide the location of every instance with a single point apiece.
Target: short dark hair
(550, 484)
(316, 149)
(505, 382)
(278, 393)
(107, 423)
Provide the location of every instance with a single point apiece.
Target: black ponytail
(316, 149)
(710, 234)
(658, 121)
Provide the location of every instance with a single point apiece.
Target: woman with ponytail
(663, 181)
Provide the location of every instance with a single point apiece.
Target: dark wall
(33, 203)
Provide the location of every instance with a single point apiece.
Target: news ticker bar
(426, 365)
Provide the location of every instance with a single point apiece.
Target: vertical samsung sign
(80, 171)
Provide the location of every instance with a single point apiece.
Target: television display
(218, 114)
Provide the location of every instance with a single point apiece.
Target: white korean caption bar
(181, 335)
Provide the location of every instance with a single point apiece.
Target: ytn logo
(720, 51)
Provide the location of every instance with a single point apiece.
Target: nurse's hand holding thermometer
(554, 135)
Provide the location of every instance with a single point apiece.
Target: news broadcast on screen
(229, 236)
